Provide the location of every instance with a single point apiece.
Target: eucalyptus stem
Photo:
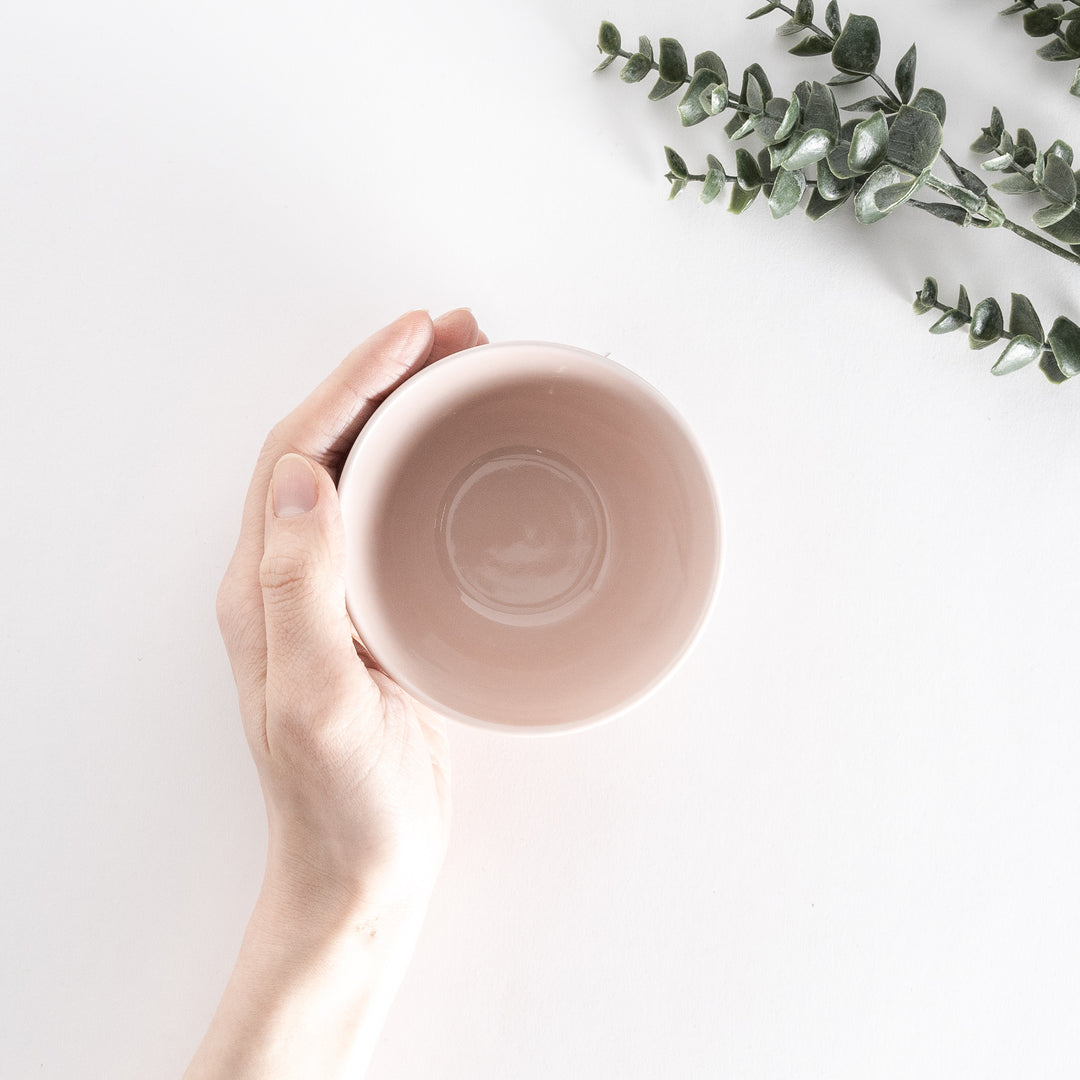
(1006, 223)
(1041, 241)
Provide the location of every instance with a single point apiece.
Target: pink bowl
(533, 537)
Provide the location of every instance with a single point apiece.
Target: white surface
(841, 843)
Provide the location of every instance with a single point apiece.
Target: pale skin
(355, 774)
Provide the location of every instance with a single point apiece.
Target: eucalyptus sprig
(1058, 351)
(1049, 174)
(878, 161)
(1055, 22)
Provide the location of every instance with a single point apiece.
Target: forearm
(311, 987)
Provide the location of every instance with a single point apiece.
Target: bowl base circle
(523, 535)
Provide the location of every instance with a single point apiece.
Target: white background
(842, 842)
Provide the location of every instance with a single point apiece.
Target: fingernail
(453, 311)
(294, 486)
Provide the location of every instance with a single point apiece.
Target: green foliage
(1025, 170)
(1058, 351)
(880, 159)
(1055, 22)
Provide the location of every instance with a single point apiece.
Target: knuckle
(228, 606)
(238, 614)
(285, 576)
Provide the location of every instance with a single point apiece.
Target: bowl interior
(532, 536)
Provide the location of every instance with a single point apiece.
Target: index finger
(325, 425)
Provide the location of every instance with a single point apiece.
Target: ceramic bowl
(533, 537)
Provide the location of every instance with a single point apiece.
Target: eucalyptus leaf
(606, 62)
(692, 107)
(821, 111)
(866, 104)
(858, 48)
(1056, 50)
(786, 193)
(950, 321)
(662, 89)
(1061, 149)
(1017, 184)
(791, 118)
(887, 199)
(987, 323)
(789, 28)
(676, 164)
(746, 169)
(946, 211)
(814, 45)
(1051, 214)
(888, 179)
(963, 302)
(715, 178)
(610, 40)
(830, 187)
(1043, 21)
(914, 139)
(967, 199)
(817, 207)
(673, 67)
(837, 158)
(768, 123)
(804, 12)
(845, 79)
(905, 75)
(1023, 318)
(739, 127)
(636, 68)
(713, 62)
(1072, 33)
(1058, 180)
(926, 297)
(1020, 352)
(832, 18)
(868, 144)
(677, 185)
(714, 99)
(1064, 339)
(753, 97)
(758, 73)
(741, 198)
(766, 10)
(806, 149)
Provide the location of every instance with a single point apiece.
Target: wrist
(307, 913)
(315, 977)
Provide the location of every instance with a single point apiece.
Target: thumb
(308, 633)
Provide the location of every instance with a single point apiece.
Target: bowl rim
(470, 357)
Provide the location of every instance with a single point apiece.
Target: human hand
(354, 772)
